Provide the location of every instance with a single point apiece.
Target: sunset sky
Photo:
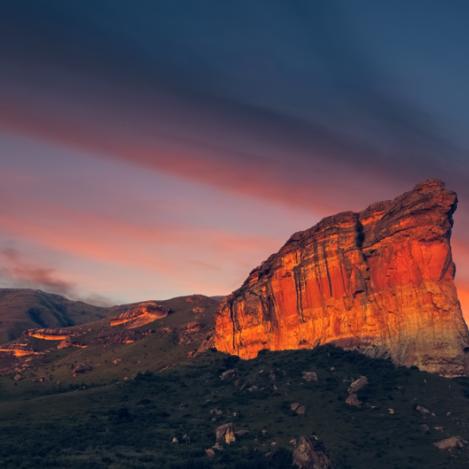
(157, 148)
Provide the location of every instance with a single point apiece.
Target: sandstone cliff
(380, 281)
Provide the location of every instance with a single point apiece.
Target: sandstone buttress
(380, 281)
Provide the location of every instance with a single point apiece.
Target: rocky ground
(314, 408)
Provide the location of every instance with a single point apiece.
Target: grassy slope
(114, 361)
(131, 424)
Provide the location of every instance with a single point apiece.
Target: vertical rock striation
(380, 281)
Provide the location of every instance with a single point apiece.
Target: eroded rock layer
(140, 315)
(380, 281)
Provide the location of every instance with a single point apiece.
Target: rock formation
(311, 454)
(380, 281)
(140, 315)
(49, 334)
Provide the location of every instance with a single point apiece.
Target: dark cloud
(273, 89)
(18, 272)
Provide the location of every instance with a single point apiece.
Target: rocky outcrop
(18, 350)
(140, 315)
(380, 281)
(49, 334)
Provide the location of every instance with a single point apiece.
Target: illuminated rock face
(49, 334)
(380, 281)
(140, 315)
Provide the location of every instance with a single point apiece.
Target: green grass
(111, 361)
(130, 424)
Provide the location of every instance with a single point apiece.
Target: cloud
(344, 127)
(284, 102)
(18, 272)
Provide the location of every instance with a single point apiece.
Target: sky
(158, 148)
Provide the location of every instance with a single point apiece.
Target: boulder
(358, 385)
(353, 401)
(451, 443)
(297, 408)
(310, 376)
(310, 453)
(423, 410)
(225, 434)
(228, 374)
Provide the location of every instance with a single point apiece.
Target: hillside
(132, 338)
(168, 420)
(22, 309)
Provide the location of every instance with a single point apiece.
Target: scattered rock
(297, 408)
(310, 376)
(358, 384)
(225, 434)
(210, 452)
(448, 444)
(81, 368)
(353, 401)
(228, 374)
(310, 454)
(17, 377)
(422, 410)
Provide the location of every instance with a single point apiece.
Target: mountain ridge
(25, 308)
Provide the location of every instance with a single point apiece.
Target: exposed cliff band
(380, 281)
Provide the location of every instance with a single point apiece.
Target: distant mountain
(380, 281)
(22, 309)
